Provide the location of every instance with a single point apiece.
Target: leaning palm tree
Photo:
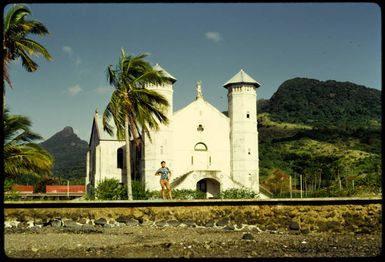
(15, 42)
(21, 156)
(134, 109)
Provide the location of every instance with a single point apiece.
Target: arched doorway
(209, 186)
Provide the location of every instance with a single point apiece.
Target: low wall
(302, 216)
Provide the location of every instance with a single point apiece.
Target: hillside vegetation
(325, 103)
(69, 152)
(326, 133)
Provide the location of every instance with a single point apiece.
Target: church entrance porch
(209, 186)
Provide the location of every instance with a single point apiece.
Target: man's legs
(168, 190)
(162, 185)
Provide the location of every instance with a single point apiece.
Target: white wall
(106, 155)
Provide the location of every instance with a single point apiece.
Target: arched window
(200, 147)
(119, 158)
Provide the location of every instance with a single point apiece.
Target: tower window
(200, 128)
(119, 157)
(248, 151)
(247, 114)
(192, 160)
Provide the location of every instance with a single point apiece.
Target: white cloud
(213, 36)
(74, 90)
(67, 49)
(101, 90)
(78, 61)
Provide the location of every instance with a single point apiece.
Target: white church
(204, 148)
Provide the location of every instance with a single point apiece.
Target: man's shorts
(165, 183)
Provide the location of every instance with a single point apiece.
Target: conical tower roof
(167, 74)
(240, 78)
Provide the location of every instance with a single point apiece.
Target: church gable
(200, 118)
(94, 139)
(201, 138)
(200, 105)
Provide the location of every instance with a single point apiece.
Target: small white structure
(204, 148)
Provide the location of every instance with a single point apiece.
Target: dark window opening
(200, 128)
(120, 158)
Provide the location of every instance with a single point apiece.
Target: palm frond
(27, 62)
(20, 156)
(33, 48)
(26, 159)
(111, 77)
(17, 129)
(33, 27)
(114, 112)
(15, 43)
(14, 15)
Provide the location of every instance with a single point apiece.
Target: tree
(17, 45)
(21, 156)
(134, 109)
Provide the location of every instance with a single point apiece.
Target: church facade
(204, 148)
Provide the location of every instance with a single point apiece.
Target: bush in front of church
(187, 194)
(238, 193)
(111, 189)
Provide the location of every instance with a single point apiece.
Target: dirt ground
(184, 242)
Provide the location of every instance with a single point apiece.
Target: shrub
(238, 193)
(138, 191)
(12, 195)
(176, 194)
(187, 194)
(154, 194)
(8, 183)
(111, 189)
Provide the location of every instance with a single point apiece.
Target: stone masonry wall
(364, 218)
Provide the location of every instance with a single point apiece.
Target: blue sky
(272, 42)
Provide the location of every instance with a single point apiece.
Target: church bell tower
(242, 110)
(160, 147)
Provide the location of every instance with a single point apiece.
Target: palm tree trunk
(128, 158)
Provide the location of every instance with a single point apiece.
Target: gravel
(183, 242)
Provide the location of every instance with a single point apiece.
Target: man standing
(165, 175)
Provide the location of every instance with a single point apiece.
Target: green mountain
(69, 152)
(325, 133)
(324, 103)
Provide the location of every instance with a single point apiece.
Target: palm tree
(21, 156)
(134, 109)
(17, 45)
